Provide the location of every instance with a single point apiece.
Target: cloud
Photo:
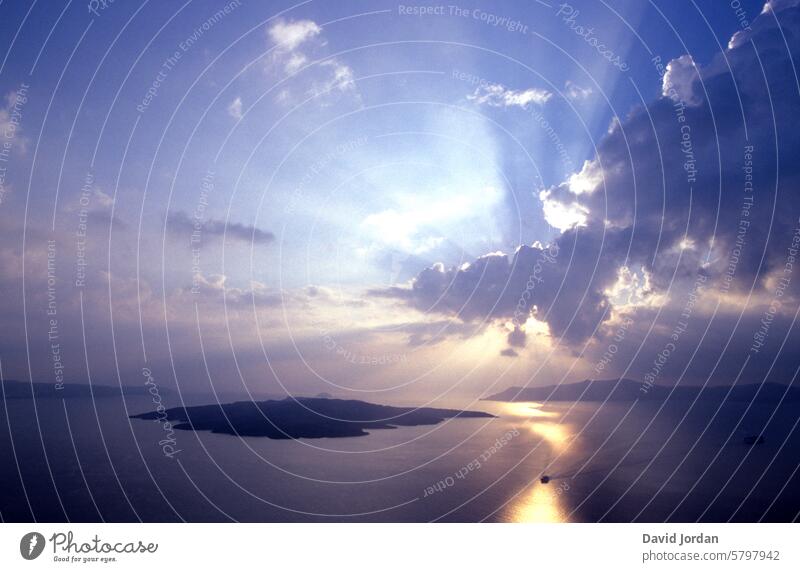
(181, 224)
(778, 5)
(215, 288)
(291, 35)
(496, 95)
(560, 204)
(491, 286)
(102, 200)
(678, 83)
(329, 76)
(11, 117)
(662, 205)
(576, 92)
(638, 223)
(294, 62)
(235, 108)
(517, 337)
(561, 215)
(340, 78)
(94, 208)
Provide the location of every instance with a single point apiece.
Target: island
(302, 417)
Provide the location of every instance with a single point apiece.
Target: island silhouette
(302, 417)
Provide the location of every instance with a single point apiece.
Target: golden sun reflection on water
(541, 502)
(527, 410)
(555, 435)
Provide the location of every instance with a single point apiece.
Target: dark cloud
(181, 224)
(554, 281)
(517, 337)
(663, 200)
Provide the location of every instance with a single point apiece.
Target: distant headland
(629, 390)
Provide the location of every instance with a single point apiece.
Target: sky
(398, 202)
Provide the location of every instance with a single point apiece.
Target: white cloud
(496, 95)
(290, 35)
(576, 92)
(634, 288)
(11, 116)
(562, 216)
(587, 180)
(295, 61)
(235, 108)
(678, 81)
(340, 78)
(778, 5)
(562, 204)
(295, 40)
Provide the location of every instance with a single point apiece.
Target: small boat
(754, 440)
(545, 479)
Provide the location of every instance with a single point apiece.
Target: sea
(85, 460)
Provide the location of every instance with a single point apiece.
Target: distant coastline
(12, 389)
(629, 390)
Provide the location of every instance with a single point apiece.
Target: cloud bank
(700, 185)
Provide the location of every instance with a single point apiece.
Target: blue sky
(419, 72)
(335, 152)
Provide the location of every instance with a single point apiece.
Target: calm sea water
(80, 460)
